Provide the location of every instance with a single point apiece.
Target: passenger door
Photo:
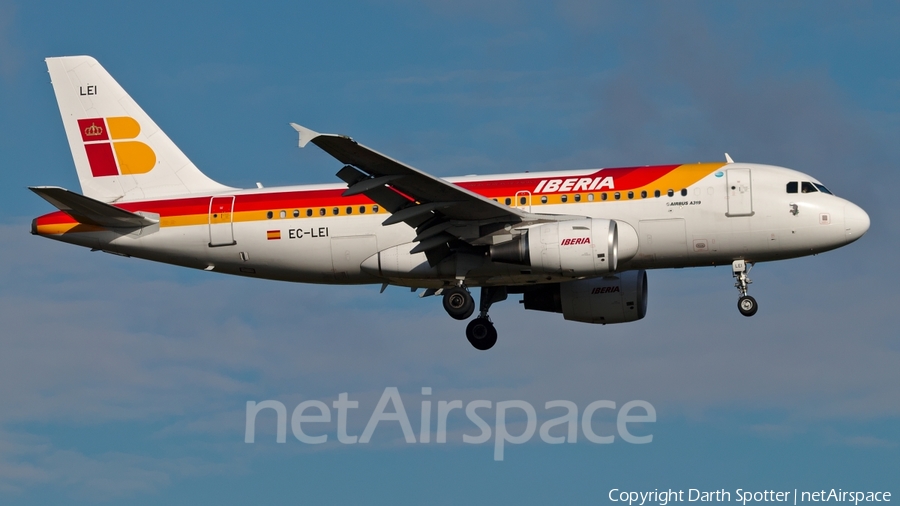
(740, 197)
(221, 231)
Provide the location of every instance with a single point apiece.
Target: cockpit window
(823, 189)
(792, 187)
(807, 187)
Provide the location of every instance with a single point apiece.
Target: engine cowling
(576, 248)
(616, 298)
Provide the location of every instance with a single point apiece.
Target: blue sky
(122, 381)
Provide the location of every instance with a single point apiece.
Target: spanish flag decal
(273, 234)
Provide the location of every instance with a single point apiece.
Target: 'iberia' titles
(575, 184)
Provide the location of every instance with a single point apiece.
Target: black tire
(458, 303)
(481, 334)
(747, 305)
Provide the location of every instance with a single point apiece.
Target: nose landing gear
(746, 304)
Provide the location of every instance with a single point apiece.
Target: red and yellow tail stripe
(330, 203)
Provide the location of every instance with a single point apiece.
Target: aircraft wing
(89, 211)
(376, 170)
(439, 210)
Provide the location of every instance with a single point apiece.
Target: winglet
(306, 134)
(728, 158)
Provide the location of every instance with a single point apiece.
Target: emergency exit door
(221, 230)
(523, 201)
(740, 196)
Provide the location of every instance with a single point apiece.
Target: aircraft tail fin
(120, 153)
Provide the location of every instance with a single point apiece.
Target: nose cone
(856, 222)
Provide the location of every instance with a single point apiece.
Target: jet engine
(615, 298)
(576, 248)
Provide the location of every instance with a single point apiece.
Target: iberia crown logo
(93, 130)
(111, 148)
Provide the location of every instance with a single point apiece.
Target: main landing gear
(459, 304)
(481, 333)
(746, 304)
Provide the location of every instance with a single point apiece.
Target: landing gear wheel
(747, 305)
(481, 334)
(458, 303)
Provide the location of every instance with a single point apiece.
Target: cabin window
(603, 196)
(375, 209)
(630, 195)
(282, 214)
(335, 211)
(522, 200)
(792, 187)
(508, 201)
(543, 199)
(643, 194)
(617, 195)
(684, 192)
(349, 210)
(269, 215)
(807, 187)
(590, 197)
(577, 197)
(671, 192)
(296, 213)
(823, 189)
(309, 212)
(564, 198)
(322, 211)
(362, 209)
(656, 193)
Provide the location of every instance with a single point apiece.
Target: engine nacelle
(576, 248)
(616, 298)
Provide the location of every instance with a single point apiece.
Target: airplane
(575, 242)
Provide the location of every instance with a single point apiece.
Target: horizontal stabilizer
(89, 211)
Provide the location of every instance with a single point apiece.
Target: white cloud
(29, 461)
(105, 338)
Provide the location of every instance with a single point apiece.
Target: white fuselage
(713, 224)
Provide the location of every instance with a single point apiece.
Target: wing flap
(381, 194)
(369, 184)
